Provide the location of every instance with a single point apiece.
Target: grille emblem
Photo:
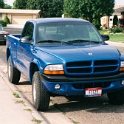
(90, 54)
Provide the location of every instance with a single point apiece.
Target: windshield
(67, 32)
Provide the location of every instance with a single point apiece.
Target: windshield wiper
(77, 41)
(49, 41)
(96, 42)
(82, 41)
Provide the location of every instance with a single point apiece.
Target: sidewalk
(19, 110)
(15, 110)
(115, 43)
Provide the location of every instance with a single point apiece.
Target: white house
(108, 21)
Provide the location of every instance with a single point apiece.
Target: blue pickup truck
(65, 56)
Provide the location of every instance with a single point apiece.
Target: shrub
(6, 19)
(97, 23)
(116, 29)
(115, 20)
(121, 22)
(3, 23)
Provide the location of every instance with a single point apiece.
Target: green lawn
(114, 37)
(117, 38)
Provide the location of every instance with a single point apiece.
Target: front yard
(117, 37)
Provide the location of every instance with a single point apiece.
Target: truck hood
(77, 53)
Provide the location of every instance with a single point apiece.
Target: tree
(19, 4)
(115, 20)
(1, 3)
(57, 8)
(6, 6)
(49, 8)
(88, 9)
(6, 19)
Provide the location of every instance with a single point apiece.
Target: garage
(16, 19)
(19, 16)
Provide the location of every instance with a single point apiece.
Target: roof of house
(118, 9)
(20, 11)
(118, 6)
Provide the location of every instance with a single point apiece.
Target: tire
(13, 73)
(41, 97)
(116, 98)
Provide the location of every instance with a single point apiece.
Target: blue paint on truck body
(88, 61)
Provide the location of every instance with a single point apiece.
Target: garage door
(20, 19)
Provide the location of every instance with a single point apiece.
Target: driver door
(24, 53)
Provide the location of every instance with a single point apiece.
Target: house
(108, 21)
(19, 16)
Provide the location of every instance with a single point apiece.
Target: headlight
(54, 69)
(122, 66)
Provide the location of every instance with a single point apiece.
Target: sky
(118, 2)
(10, 2)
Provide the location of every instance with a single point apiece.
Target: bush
(97, 23)
(3, 23)
(6, 19)
(115, 20)
(116, 29)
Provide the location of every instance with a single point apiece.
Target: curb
(46, 118)
(34, 112)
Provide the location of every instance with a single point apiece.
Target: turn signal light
(121, 69)
(59, 72)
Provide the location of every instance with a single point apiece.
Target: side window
(28, 30)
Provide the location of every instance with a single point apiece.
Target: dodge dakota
(65, 56)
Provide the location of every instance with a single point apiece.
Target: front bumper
(77, 85)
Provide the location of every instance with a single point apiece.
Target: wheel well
(33, 68)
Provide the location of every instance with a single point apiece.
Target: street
(79, 110)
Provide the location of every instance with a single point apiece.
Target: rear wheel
(41, 97)
(117, 97)
(13, 73)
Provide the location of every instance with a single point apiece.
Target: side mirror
(26, 40)
(105, 37)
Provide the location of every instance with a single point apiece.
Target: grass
(117, 38)
(16, 95)
(114, 37)
(20, 102)
(36, 121)
(102, 31)
(74, 122)
(29, 110)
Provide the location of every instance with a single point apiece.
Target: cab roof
(47, 20)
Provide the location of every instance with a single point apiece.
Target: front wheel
(117, 97)
(41, 97)
(13, 73)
